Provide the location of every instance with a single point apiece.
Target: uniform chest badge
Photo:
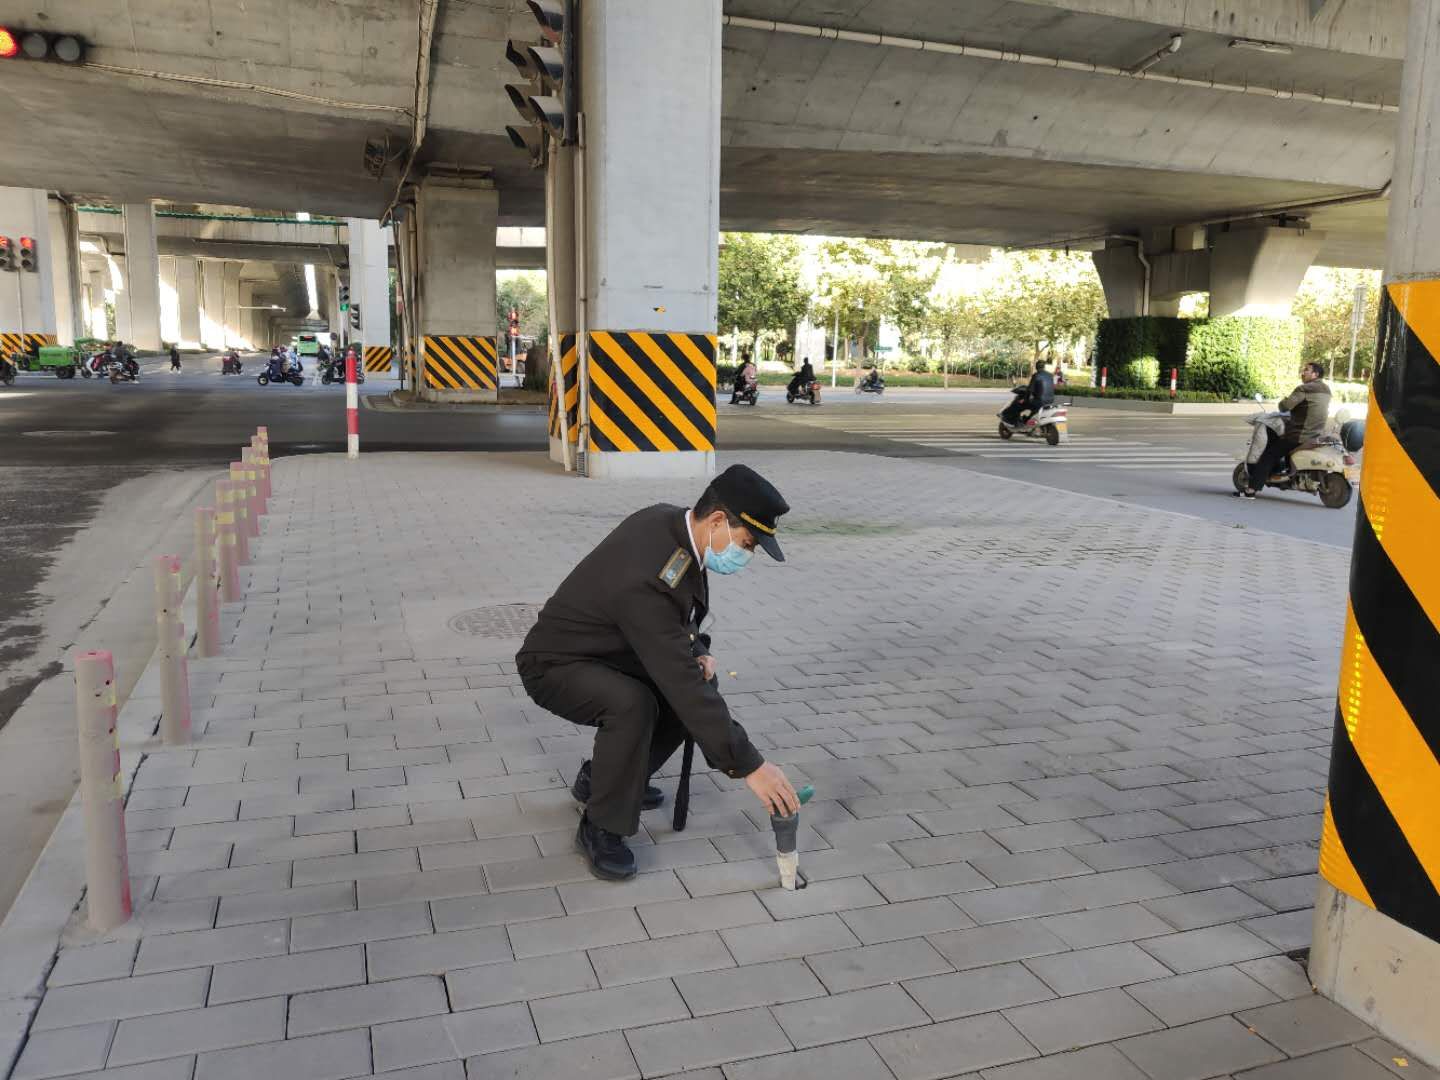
(675, 567)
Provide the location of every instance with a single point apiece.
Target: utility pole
(1357, 315)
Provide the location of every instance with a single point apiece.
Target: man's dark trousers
(1276, 449)
(636, 732)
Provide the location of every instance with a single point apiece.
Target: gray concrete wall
(142, 275)
(457, 253)
(1257, 271)
(27, 301)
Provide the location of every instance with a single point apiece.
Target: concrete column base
(651, 465)
(461, 396)
(1385, 973)
(557, 450)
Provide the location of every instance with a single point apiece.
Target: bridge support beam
(456, 286)
(564, 418)
(64, 237)
(99, 321)
(234, 334)
(27, 300)
(169, 298)
(212, 304)
(142, 276)
(651, 190)
(1376, 943)
(187, 299)
(1257, 269)
(370, 281)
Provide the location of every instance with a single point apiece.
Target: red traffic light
(27, 243)
(9, 46)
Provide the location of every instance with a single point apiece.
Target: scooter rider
(803, 378)
(1039, 393)
(743, 378)
(1309, 409)
(872, 379)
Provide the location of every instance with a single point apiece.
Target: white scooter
(1050, 423)
(1328, 467)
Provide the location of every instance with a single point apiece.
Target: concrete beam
(1257, 271)
(142, 275)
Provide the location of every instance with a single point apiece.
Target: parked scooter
(277, 371)
(808, 393)
(873, 383)
(1048, 422)
(1328, 467)
(230, 363)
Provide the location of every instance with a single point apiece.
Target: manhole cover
(501, 621)
(81, 434)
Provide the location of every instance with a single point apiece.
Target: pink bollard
(107, 863)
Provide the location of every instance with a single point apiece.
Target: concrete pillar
(457, 290)
(99, 321)
(212, 304)
(1257, 270)
(169, 298)
(27, 300)
(187, 299)
(64, 247)
(560, 294)
(245, 323)
(370, 280)
(142, 275)
(120, 298)
(1122, 276)
(1376, 942)
(232, 304)
(650, 184)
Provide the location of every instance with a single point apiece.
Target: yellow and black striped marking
(378, 357)
(460, 362)
(26, 342)
(36, 341)
(1381, 833)
(651, 391)
(569, 376)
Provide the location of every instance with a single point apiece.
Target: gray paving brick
(231, 832)
(520, 980)
(901, 885)
(935, 850)
(435, 954)
(323, 1057)
(1092, 1063)
(987, 945)
(1105, 926)
(535, 873)
(424, 885)
(368, 864)
(353, 927)
(180, 861)
(1117, 887)
(711, 1040)
(350, 820)
(837, 1061)
(979, 990)
(220, 1027)
(434, 1039)
(876, 965)
(110, 960)
(669, 918)
(845, 894)
(169, 952)
(1183, 999)
(1210, 947)
(246, 879)
(456, 856)
(1017, 902)
(595, 1057)
(937, 1051)
(870, 831)
(286, 903)
(1197, 1051)
(65, 1051)
(1097, 969)
(1280, 975)
(286, 849)
(617, 965)
(590, 931)
(1305, 1025)
(1191, 911)
(729, 877)
(743, 988)
(119, 999)
(594, 1011)
(1083, 1020)
(159, 917)
(382, 838)
(290, 974)
(787, 940)
(642, 889)
(360, 1006)
(1346, 1063)
(911, 918)
(180, 1068)
(468, 912)
(858, 1013)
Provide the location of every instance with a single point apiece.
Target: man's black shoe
(610, 857)
(580, 791)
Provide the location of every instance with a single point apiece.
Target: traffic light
(514, 323)
(7, 254)
(27, 254)
(548, 104)
(344, 297)
(17, 44)
(355, 317)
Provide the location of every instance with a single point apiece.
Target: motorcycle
(7, 371)
(123, 370)
(747, 393)
(1328, 467)
(872, 385)
(230, 363)
(275, 373)
(808, 392)
(1048, 422)
(332, 370)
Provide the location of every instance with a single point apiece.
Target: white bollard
(250, 455)
(107, 866)
(244, 502)
(207, 585)
(236, 505)
(227, 542)
(170, 649)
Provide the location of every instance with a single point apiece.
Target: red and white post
(1104, 378)
(1174, 380)
(170, 649)
(352, 409)
(227, 542)
(102, 798)
(207, 585)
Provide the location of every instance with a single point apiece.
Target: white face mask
(730, 561)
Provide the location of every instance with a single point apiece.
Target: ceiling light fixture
(1256, 45)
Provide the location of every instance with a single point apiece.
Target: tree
(1044, 300)
(1324, 305)
(524, 291)
(866, 281)
(955, 324)
(760, 289)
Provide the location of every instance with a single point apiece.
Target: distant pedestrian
(174, 357)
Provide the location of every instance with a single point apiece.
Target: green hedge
(1132, 393)
(1139, 352)
(1240, 356)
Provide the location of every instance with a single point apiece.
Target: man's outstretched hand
(773, 789)
(707, 666)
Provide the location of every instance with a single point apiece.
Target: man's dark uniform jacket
(636, 604)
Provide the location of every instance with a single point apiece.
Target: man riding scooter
(802, 379)
(1309, 409)
(745, 377)
(1039, 393)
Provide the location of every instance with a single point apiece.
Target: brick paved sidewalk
(1070, 759)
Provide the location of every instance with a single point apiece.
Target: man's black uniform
(1039, 393)
(615, 648)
